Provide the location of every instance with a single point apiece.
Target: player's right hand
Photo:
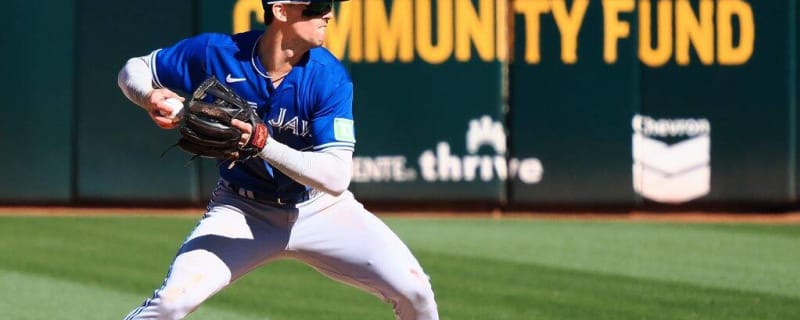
(159, 110)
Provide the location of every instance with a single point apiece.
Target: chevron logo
(671, 173)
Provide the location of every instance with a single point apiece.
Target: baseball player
(291, 200)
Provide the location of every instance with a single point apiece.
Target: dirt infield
(684, 217)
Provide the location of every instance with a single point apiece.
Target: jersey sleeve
(332, 125)
(181, 66)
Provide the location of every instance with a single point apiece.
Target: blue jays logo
(294, 125)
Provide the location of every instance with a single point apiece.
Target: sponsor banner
(474, 168)
(441, 164)
(718, 32)
(748, 106)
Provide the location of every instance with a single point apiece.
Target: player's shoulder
(221, 42)
(327, 64)
(323, 56)
(226, 41)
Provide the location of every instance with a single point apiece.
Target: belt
(282, 200)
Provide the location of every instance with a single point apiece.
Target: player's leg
(348, 243)
(224, 246)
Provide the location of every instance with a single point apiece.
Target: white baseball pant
(334, 235)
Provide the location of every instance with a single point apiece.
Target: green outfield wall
(794, 85)
(118, 147)
(569, 108)
(37, 126)
(518, 103)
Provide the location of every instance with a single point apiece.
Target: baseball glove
(206, 129)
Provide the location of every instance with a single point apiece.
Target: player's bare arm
(136, 81)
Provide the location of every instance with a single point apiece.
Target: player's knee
(422, 300)
(417, 300)
(190, 285)
(416, 305)
(175, 303)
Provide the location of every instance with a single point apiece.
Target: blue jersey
(310, 110)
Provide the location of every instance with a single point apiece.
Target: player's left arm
(329, 170)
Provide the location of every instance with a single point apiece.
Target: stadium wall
(522, 103)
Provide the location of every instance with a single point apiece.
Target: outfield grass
(101, 267)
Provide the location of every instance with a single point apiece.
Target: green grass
(101, 267)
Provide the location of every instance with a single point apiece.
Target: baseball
(176, 107)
